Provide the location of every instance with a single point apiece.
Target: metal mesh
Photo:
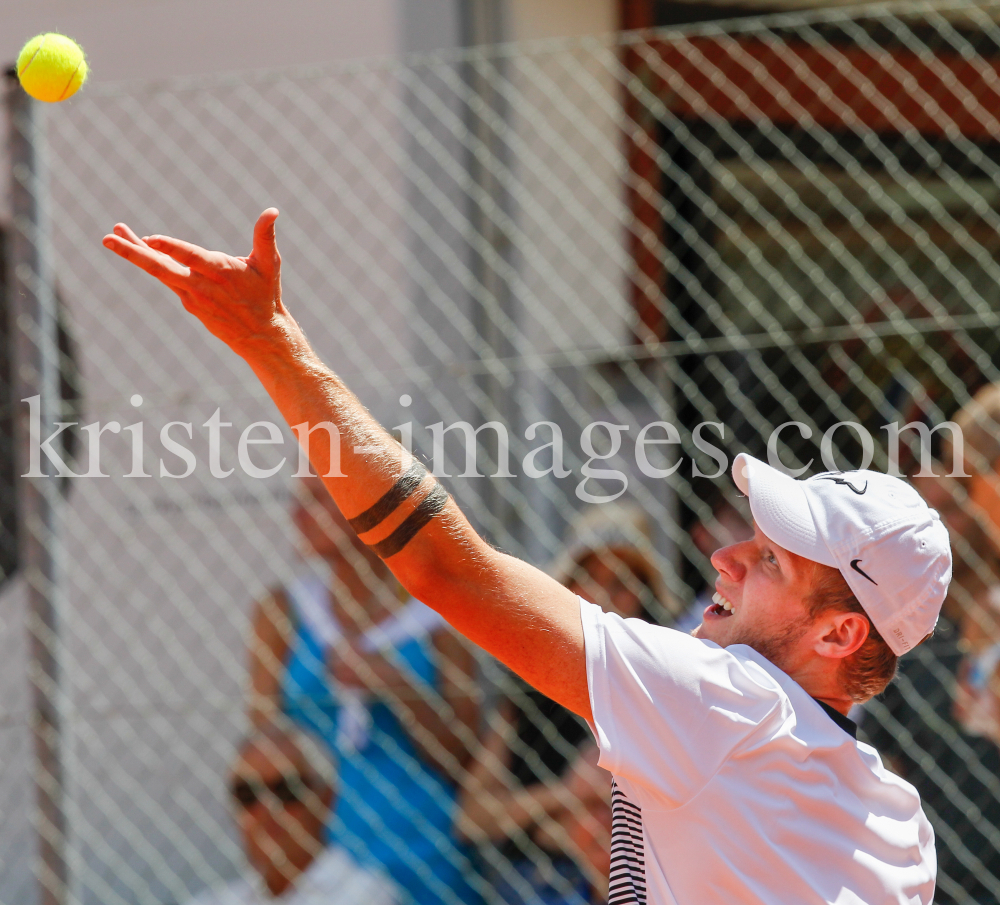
(782, 220)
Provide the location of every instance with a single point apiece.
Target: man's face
(281, 812)
(768, 588)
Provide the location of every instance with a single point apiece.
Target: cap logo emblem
(861, 572)
(838, 479)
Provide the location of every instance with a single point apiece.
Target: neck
(841, 704)
(820, 679)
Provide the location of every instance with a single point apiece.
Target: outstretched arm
(520, 615)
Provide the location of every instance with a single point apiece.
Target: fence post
(35, 355)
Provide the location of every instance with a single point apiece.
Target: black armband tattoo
(429, 506)
(390, 501)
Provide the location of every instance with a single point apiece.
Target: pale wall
(529, 19)
(155, 39)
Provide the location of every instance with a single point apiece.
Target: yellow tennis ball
(51, 67)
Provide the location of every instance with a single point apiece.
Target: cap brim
(780, 508)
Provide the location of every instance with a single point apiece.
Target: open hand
(237, 298)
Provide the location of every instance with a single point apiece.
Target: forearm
(519, 614)
(308, 392)
(360, 461)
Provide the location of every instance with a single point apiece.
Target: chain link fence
(625, 259)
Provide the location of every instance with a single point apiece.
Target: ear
(840, 634)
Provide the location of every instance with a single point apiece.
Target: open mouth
(721, 607)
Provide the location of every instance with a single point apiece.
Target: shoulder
(894, 799)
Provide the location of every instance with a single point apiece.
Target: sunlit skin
(768, 588)
(517, 613)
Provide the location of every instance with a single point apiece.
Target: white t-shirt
(334, 878)
(731, 784)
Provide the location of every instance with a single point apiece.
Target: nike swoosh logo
(839, 480)
(861, 572)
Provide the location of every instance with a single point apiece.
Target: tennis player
(737, 776)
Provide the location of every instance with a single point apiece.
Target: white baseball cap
(889, 545)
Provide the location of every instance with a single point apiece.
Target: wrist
(280, 336)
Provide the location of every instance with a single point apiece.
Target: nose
(274, 824)
(730, 562)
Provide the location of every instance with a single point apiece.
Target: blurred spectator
(588, 826)
(282, 787)
(535, 800)
(936, 723)
(387, 684)
(977, 701)
(726, 526)
(980, 425)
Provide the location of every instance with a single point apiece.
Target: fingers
(155, 264)
(264, 256)
(181, 279)
(124, 231)
(208, 263)
(194, 272)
